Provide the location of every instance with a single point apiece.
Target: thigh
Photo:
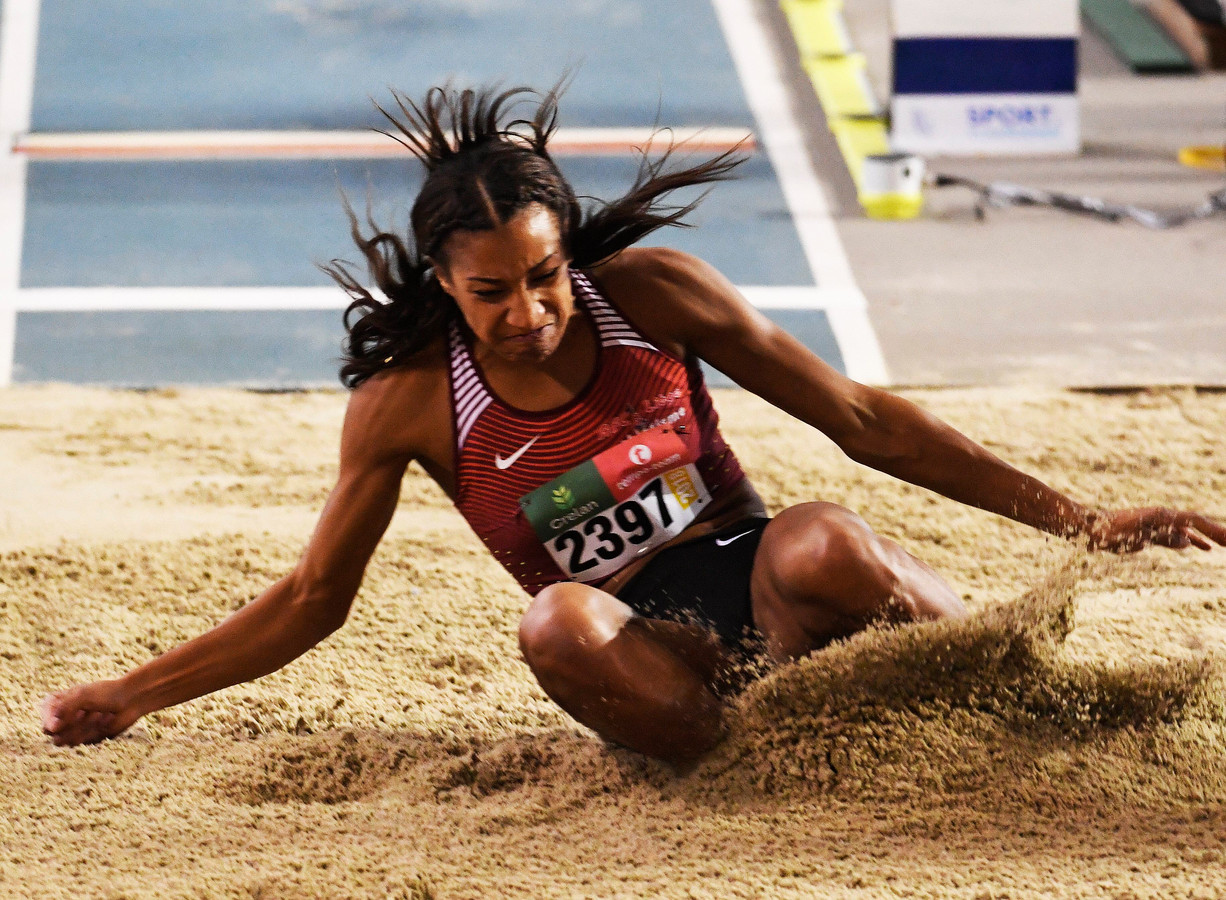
(642, 683)
(821, 573)
(569, 627)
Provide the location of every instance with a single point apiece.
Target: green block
(1135, 37)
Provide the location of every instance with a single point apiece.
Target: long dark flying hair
(482, 167)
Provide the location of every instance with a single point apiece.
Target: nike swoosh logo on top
(724, 542)
(510, 460)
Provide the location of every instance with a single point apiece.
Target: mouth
(533, 338)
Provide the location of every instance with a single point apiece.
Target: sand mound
(900, 714)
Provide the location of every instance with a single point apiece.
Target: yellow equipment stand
(855, 118)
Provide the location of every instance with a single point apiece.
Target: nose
(525, 311)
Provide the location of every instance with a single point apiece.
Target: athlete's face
(512, 284)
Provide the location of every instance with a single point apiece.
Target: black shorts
(703, 582)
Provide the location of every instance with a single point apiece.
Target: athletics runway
(197, 263)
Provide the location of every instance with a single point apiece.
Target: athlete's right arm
(281, 624)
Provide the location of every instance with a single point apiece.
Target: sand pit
(1068, 740)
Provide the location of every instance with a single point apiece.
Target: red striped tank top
(579, 491)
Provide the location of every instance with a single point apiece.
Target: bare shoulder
(660, 271)
(676, 297)
(687, 306)
(402, 413)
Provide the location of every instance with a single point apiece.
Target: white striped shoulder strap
(611, 325)
(469, 397)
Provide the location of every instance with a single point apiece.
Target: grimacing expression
(512, 284)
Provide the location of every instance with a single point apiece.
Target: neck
(547, 383)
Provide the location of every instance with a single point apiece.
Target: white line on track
(763, 82)
(179, 299)
(115, 299)
(18, 51)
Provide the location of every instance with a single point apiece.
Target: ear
(443, 276)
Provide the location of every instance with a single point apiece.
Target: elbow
(879, 448)
(892, 462)
(885, 433)
(322, 606)
(895, 465)
(332, 623)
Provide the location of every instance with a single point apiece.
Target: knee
(565, 623)
(830, 556)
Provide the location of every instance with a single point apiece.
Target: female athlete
(544, 371)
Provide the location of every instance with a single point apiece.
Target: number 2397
(630, 522)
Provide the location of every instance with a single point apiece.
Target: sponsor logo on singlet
(648, 415)
(598, 516)
(503, 464)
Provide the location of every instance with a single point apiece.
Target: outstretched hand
(87, 714)
(1128, 530)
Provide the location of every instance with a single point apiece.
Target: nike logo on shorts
(724, 542)
(501, 463)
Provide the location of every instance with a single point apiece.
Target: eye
(488, 293)
(545, 277)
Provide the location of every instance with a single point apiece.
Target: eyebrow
(487, 280)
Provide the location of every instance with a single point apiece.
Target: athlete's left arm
(704, 314)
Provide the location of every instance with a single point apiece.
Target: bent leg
(821, 574)
(646, 684)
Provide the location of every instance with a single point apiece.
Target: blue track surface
(137, 65)
(263, 348)
(265, 223)
(164, 64)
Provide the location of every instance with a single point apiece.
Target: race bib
(603, 513)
